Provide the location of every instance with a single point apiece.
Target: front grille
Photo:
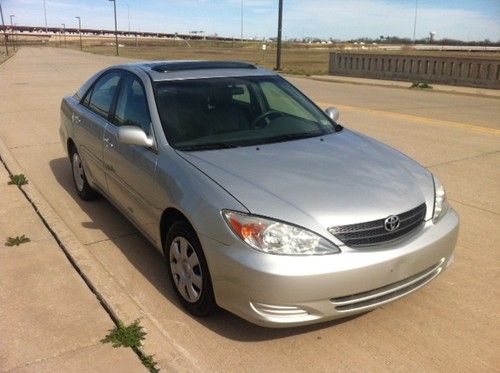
(374, 232)
(386, 294)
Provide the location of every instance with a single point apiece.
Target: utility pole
(64, 33)
(241, 34)
(415, 21)
(280, 25)
(45, 15)
(80, 31)
(116, 27)
(4, 32)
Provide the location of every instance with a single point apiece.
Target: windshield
(216, 113)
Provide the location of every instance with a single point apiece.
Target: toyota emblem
(391, 223)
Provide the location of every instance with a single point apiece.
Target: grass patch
(18, 180)
(420, 85)
(131, 336)
(297, 60)
(16, 241)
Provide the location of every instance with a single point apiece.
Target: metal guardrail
(471, 72)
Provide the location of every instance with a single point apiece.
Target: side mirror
(134, 136)
(333, 113)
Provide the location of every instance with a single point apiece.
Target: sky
(339, 19)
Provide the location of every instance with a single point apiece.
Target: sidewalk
(50, 321)
(484, 92)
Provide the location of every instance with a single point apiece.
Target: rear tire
(82, 186)
(188, 271)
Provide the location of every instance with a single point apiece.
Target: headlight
(273, 237)
(440, 201)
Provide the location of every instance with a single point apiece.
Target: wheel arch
(70, 145)
(170, 216)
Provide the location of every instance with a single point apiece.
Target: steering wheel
(265, 115)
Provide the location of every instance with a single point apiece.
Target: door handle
(75, 118)
(108, 143)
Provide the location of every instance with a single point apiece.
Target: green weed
(18, 180)
(131, 336)
(420, 85)
(126, 336)
(148, 362)
(16, 241)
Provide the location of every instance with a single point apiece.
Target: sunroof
(200, 65)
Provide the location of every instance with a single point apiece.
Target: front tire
(188, 271)
(82, 186)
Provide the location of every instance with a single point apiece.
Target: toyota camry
(261, 202)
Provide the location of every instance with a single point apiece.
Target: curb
(169, 355)
(451, 90)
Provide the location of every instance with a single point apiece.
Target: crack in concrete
(35, 145)
(112, 238)
(463, 159)
(62, 353)
(474, 207)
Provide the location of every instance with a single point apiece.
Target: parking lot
(450, 325)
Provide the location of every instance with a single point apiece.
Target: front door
(130, 169)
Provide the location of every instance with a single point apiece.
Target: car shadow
(150, 263)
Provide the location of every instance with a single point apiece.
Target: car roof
(194, 69)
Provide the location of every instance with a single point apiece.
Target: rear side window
(132, 105)
(103, 93)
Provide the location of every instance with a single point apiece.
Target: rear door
(130, 169)
(90, 122)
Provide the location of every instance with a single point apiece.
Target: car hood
(338, 179)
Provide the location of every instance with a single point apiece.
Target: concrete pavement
(49, 319)
(449, 325)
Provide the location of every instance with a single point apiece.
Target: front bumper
(282, 291)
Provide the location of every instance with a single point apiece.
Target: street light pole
(64, 33)
(4, 32)
(280, 25)
(116, 27)
(128, 16)
(241, 34)
(45, 15)
(12, 30)
(80, 31)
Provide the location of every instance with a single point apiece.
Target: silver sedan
(262, 203)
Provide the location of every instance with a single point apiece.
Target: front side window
(103, 93)
(202, 114)
(132, 105)
(279, 100)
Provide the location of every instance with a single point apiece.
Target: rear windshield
(206, 114)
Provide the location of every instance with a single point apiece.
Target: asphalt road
(450, 325)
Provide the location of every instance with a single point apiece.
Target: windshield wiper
(209, 146)
(291, 136)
